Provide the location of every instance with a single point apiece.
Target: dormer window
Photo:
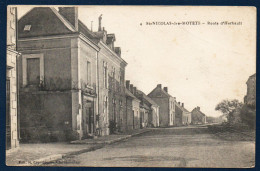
(27, 28)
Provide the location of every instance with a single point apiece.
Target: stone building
(166, 103)
(197, 117)
(12, 123)
(149, 110)
(132, 108)
(72, 78)
(111, 76)
(250, 97)
(182, 116)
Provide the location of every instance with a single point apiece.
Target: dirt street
(170, 147)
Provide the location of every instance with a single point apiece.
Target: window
(89, 73)
(33, 71)
(27, 28)
(105, 77)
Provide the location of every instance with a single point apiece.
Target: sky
(200, 64)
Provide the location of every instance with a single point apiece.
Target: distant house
(250, 97)
(166, 103)
(197, 117)
(182, 115)
(132, 108)
(150, 113)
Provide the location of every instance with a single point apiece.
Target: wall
(136, 110)
(129, 114)
(163, 110)
(11, 75)
(57, 61)
(45, 114)
(179, 115)
(115, 90)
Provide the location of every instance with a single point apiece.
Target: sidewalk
(35, 154)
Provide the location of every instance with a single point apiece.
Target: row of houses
(70, 82)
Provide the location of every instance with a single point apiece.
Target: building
(166, 103)
(74, 77)
(132, 108)
(250, 97)
(197, 117)
(111, 76)
(182, 116)
(12, 123)
(57, 76)
(149, 110)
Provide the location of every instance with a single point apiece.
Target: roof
(148, 99)
(182, 108)
(39, 17)
(157, 90)
(198, 110)
(129, 94)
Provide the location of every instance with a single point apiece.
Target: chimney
(131, 88)
(99, 22)
(159, 85)
(179, 103)
(134, 90)
(182, 104)
(165, 89)
(127, 84)
(198, 107)
(71, 14)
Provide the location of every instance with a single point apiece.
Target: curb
(56, 157)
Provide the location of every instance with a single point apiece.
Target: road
(170, 147)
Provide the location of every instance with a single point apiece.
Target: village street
(169, 147)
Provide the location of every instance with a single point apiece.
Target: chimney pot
(99, 22)
(159, 85)
(165, 89)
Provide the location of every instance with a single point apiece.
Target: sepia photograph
(131, 86)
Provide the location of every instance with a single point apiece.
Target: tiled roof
(148, 99)
(129, 94)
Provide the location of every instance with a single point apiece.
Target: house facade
(166, 103)
(57, 76)
(197, 117)
(73, 77)
(150, 114)
(132, 108)
(12, 115)
(182, 116)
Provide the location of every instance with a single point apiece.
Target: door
(8, 117)
(88, 119)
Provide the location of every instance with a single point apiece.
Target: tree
(229, 108)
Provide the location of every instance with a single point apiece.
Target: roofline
(63, 20)
(112, 52)
(60, 36)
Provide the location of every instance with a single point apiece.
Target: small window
(27, 28)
